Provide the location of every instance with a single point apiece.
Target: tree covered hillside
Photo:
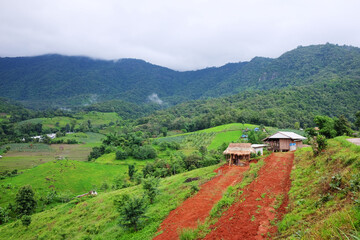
(71, 81)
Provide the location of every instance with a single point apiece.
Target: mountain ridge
(63, 81)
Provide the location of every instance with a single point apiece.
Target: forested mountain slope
(71, 81)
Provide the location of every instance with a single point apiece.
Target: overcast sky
(179, 34)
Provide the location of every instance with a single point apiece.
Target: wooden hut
(284, 141)
(238, 153)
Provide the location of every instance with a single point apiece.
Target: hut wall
(284, 144)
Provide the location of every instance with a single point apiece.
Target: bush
(131, 171)
(25, 200)
(4, 215)
(145, 152)
(150, 185)
(26, 220)
(121, 155)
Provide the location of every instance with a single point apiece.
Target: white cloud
(155, 99)
(177, 34)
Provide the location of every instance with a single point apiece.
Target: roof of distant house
(289, 135)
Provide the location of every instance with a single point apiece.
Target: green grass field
(72, 177)
(27, 155)
(96, 218)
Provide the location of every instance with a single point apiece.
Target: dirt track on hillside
(198, 207)
(262, 201)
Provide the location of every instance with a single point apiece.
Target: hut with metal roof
(238, 153)
(284, 141)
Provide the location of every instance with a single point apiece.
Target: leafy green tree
(131, 171)
(203, 151)
(164, 131)
(25, 200)
(145, 152)
(150, 185)
(326, 125)
(342, 126)
(132, 211)
(72, 125)
(297, 125)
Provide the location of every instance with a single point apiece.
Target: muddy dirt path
(198, 207)
(263, 201)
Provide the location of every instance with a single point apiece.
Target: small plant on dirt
(188, 234)
(323, 199)
(194, 189)
(263, 195)
(253, 218)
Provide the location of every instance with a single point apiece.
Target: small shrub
(121, 155)
(194, 189)
(150, 185)
(132, 211)
(26, 220)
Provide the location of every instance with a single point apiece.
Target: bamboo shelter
(238, 153)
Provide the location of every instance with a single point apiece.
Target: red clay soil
(198, 207)
(250, 217)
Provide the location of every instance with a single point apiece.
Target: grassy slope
(71, 177)
(317, 210)
(96, 218)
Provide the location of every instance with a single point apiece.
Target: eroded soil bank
(198, 207)
(261, 204)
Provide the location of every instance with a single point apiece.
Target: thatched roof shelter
(238, 151)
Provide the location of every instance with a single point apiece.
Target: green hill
(72, 81)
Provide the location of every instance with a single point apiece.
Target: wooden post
(230, 160)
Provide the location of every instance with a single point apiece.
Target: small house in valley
(238, 153)
(284, 141)
(259, 148)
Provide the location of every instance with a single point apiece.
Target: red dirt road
(262, 201)
(198, 207)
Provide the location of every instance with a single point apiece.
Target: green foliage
(132, 211)
(4, 215)
(144, 152)
(25, 201)
(188, 234)
(26, 220)
(357, 119)
(121, 155)
(256, 137)
(342, 126)
(318, 144)
(131, 171)
(150, 186)
(226, 201)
